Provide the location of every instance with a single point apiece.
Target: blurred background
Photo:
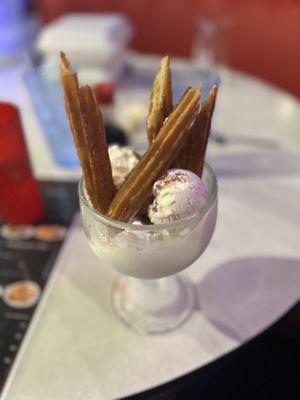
(116, 47)
(262, 36)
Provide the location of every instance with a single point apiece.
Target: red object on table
(20, 198)
(104, 92)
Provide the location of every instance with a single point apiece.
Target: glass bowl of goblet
(148, 295)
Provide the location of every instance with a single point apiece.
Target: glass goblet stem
(152, 306)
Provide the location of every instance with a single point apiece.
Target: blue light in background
(15, 27)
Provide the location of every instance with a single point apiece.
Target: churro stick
(97, 150)
(89, 138)
(72, 103)
(157, 159)
(192, 155)
(203, 124)
(160, 100)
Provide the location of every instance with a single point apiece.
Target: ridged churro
(160, 100)
(89, 137)
(157, 159)
(192, 154)
(97, 149)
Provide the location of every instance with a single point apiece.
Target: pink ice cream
(178, 194)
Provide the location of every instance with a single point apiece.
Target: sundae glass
(147, 295)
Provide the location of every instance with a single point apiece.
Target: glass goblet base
(152, 306)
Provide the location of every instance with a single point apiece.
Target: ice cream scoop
(177, 194)
(123, 160)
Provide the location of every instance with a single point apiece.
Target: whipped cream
(123, 160)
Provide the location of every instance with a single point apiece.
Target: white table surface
(249, 276)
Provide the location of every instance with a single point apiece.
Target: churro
(160, 100)
(97, 149)
(89, 137)
(72, 104)
(157, 159)
(192, 154)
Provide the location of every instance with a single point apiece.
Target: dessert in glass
(147, 216)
